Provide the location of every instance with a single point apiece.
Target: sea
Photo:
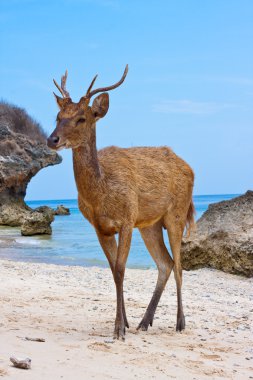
(74, 241)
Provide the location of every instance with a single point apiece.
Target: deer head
(76, 121)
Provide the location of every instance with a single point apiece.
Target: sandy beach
(73, 309)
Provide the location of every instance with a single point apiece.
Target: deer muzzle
(53, 141)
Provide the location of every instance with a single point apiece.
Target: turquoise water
(74, 241)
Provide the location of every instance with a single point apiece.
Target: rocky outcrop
(23, 152)
(223, 238)
(38, 222)
(62, 210)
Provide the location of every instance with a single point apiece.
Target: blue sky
(190, 81)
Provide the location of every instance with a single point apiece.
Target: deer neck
(86, 168)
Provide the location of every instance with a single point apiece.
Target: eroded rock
(224, 238)
(23, 152)
(37, 223)
(62, 210)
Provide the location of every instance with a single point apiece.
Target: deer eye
(80, 121)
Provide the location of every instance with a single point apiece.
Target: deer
(119, 189)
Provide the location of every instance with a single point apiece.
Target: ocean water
(74, 241)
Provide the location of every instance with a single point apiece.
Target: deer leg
(153, 239)
(125, 236)
(175, 228)
(109, 246)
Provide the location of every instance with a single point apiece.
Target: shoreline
(74, 240)
(73, 308)
(14, 245)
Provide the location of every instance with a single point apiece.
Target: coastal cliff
(223, 238)
(23, 153)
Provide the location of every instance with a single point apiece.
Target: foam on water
(27, 240)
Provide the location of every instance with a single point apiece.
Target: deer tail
(190, 222)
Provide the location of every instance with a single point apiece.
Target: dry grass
(18, 121)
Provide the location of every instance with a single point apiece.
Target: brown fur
(120, 189)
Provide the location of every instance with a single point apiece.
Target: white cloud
(190, 107)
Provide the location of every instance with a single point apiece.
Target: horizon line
(75, 199)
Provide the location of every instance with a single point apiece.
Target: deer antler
(62, 89)
(90, 93)
(90, 86)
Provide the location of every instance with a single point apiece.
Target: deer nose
(55, 139)
(52, 141)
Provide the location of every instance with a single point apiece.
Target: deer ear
(59, 100)
(100, 105)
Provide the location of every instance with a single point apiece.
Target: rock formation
(62, 210)
(23, 152)
(223, 238)
(38, 222)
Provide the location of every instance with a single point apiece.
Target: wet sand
(73, 309)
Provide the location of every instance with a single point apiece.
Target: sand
(73, 309)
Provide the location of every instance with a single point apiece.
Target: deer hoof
(126, 322)
(144, 324)
(119, 331)
(180, 323)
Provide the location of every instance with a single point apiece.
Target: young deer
(123, 188)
